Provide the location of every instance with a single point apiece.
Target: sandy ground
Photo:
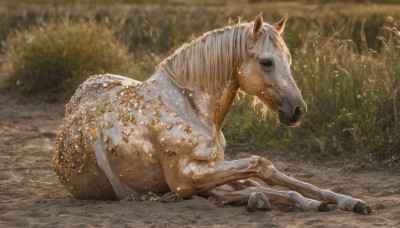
(31, 195)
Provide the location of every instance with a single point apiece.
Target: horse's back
(97, 87)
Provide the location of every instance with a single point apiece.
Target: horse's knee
(293, 194)
(260, 162)
(265, 169)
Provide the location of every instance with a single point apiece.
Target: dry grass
(57, 57)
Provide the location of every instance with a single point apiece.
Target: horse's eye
(266, 63)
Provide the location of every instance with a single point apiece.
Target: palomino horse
(122, 137)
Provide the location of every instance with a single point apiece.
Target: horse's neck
(222, 103)
(212, 107)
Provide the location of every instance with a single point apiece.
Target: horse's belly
(134, 162)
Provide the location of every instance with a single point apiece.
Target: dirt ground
(31, 195)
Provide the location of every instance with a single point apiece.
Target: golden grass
(57, 57)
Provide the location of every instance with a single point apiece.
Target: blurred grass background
(346, 62)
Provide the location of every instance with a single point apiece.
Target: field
(345, 62)
(31, 194)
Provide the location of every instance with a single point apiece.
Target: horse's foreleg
(233, 194)
(205, 175)
(273, 177)
(199, 176)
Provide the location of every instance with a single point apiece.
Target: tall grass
(57, 57)
(352, 94)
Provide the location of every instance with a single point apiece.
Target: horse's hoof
(323, 207)
(361, 208)
(258, 202)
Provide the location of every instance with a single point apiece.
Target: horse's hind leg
(239, 192)
(78, 170)
(90, 184)
(225, 193)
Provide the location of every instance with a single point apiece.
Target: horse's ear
(258, 22)
(280, 25)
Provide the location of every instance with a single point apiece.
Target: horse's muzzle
(292, 116)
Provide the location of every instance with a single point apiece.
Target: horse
(121, 137)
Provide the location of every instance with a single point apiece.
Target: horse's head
(266, 72)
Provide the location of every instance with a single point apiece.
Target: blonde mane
(209, 61)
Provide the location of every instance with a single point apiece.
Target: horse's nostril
(297, 111)
(297, 114)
